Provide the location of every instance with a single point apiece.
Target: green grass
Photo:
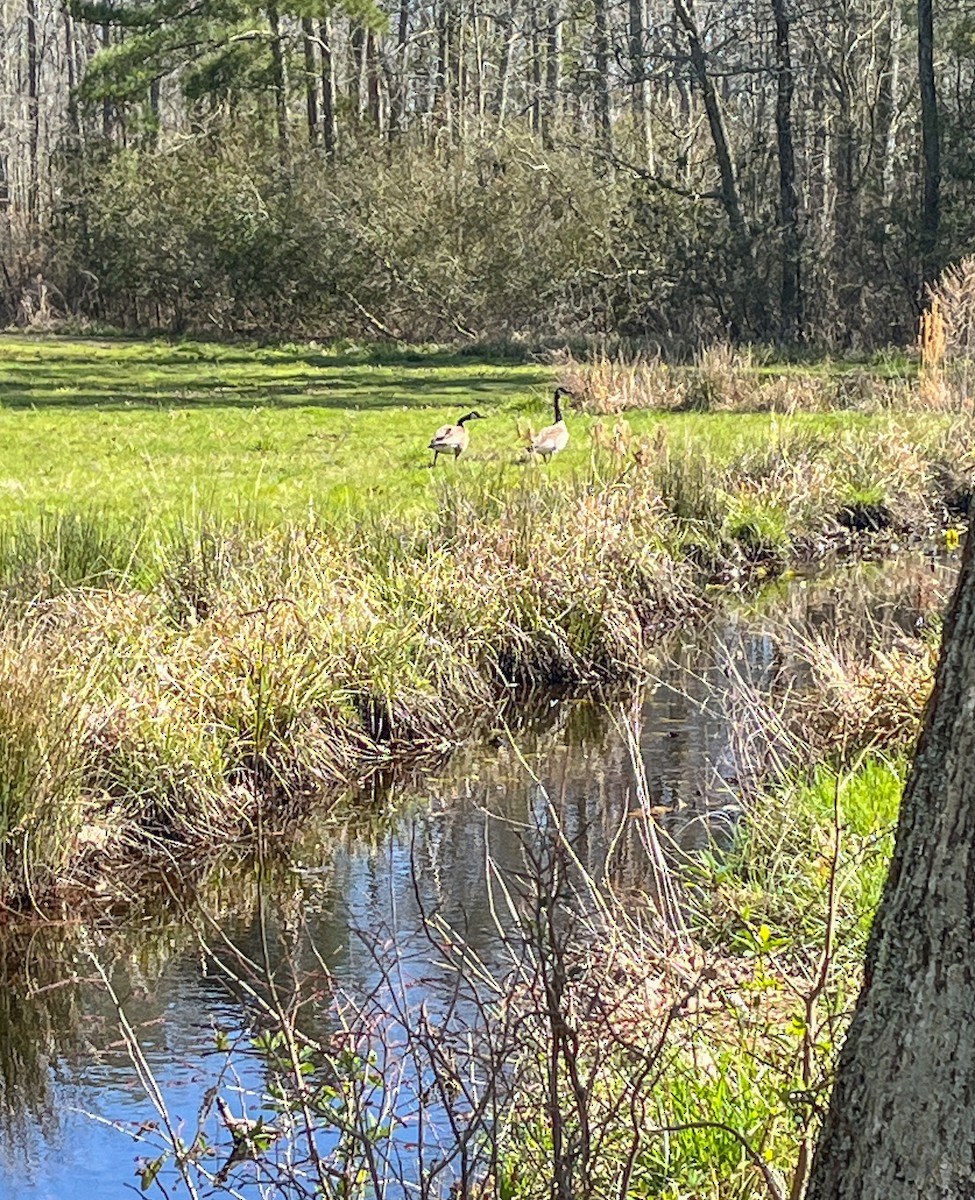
(777, 877)
(153, 428)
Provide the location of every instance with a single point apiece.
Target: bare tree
(603, 108)
(791, 315)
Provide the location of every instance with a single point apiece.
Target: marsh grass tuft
(64, 550)
(42, 806)
(946, 338)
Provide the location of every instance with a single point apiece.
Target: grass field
(153, 428)
(146, 428)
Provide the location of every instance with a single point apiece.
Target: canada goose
(452, 439)
(552, 438)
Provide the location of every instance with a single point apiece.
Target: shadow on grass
(125, 375)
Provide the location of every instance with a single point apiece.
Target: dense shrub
(487, 244)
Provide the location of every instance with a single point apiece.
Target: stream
(70, 1096)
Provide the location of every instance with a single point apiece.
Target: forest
(463, 170)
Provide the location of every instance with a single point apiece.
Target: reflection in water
(61, 1060)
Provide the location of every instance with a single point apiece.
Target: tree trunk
(535, 68)
(373, 101)
(791, 315)
(846, 273)
(901, 1123)
(329, 127)
(553, 75)
(820, 192)
(729, 184)
(459, 71)
(74, 125)
(930, 141)
(480, 94)
(311, 83)
(357, 70)
(397, 83)
(107, 107)
(443, 103)
(277, 78)
(639, 81)
(33, 117)
(509, 25)
(888, 107)
(752, 294)
(604, 130)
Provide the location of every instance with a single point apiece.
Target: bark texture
(901, 1124)
(930, 140)
(790, 233)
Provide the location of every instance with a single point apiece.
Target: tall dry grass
(946, 339)
(723, 378)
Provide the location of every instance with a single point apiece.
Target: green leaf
(149, 1172)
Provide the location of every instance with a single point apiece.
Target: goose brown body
(552, 438)
(452, 439)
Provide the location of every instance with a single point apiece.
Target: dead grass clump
(722, 379)
(42, 762)
(865, 391)
(605, 385)
(931, 342)
(564, 587)
(873, 698)
(833, 698)
(946, 339)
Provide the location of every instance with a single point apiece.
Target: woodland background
(787, 171)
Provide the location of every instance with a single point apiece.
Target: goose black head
(559, 393)
(471, 416)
